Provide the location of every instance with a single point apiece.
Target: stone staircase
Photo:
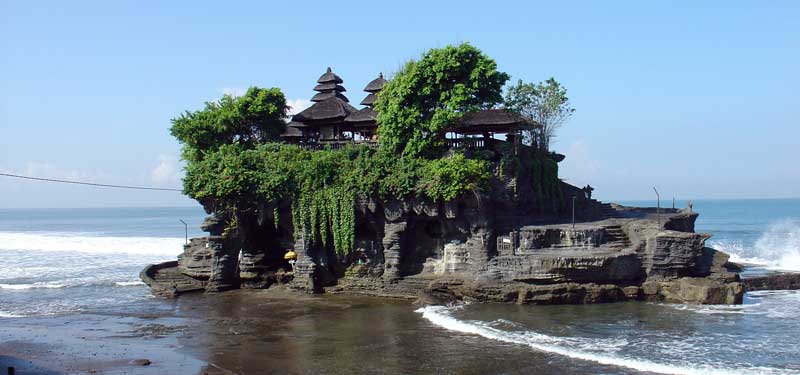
(615, 237)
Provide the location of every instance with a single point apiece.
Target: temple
(331, 121)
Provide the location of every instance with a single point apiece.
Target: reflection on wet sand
(253, 332)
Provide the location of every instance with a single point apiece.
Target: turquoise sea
(64, 262)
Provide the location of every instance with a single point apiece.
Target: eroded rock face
(224, 261)
(672, 254)
(479, 248)
(197, 259)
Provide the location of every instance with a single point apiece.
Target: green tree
(426, 96)
(544, 103)
(248, 120)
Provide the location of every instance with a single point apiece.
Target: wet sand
(262, 332)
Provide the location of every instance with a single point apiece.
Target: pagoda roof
(329, 109)
(327, 95)
(369, 100)
(363, 117)
(323, 87)
(375, 85)
(329, 77)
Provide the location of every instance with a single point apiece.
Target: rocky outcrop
(698, 290)
(508, 245)
(778, 281)
(165, 280)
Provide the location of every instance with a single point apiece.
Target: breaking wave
(777, 249)
(4, 314)
(603, 351)
(80, 242)
(32, 286)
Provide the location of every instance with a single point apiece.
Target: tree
(248, 120)
(426, 96)
(545, 103)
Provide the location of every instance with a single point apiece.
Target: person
(588, 190)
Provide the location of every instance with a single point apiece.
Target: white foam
(777, 249)
(129, 283)
(79, 242)
(717, 309)
(31, 286)
(440, 316)
(4, 314)
(781, 246)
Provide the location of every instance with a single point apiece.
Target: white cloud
(297, 105)
(168, 172)
(234, 91)
(579, 166)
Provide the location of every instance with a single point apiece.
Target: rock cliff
(474, 248)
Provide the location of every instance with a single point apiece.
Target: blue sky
(699, 99)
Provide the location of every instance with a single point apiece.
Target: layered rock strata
(464, 250)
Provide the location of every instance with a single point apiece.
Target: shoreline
(248, 331)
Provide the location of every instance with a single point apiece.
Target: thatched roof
(362, 117)
(330, 109)
(329, 77)
(489, 120)
(292, 132)
(375, 85)
(295, 124)
(324, 87)
(369, 100)
(327, 95)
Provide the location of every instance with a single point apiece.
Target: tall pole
(658, 206)
(573, 212)
(185, 231)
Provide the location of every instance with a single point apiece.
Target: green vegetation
(322, 185)
(236, 165)
(428, 95)
(544, 176)
(545, 103)
(253, 118)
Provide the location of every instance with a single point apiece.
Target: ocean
(74, 262)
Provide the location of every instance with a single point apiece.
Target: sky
(699, 99)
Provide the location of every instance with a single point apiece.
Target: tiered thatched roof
(327, 110)
(375, 85)
(366, 117)
(329, 77)
(330, 105)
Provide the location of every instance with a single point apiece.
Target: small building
(478, 129)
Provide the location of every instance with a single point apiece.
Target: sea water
(762, 336)
(59, 261)
(62, 262)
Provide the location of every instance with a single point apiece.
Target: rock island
(438, 188)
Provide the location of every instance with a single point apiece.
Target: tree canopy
(545, 103)
(426, 96)
(248, 120)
